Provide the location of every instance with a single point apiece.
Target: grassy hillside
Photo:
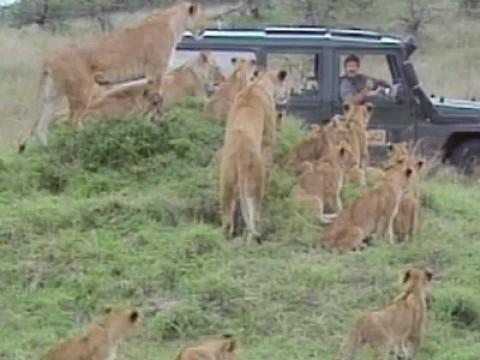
(127, 212)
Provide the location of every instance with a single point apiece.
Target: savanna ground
(127, 212)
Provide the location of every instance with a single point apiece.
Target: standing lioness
(251, 125)
(143, 51)
(100, 340)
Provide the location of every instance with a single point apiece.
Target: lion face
(206, 68)
(278, 79)
(196, 20)
(244, 68)
(123, 320)
(358, 113)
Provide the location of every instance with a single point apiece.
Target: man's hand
(375, 92)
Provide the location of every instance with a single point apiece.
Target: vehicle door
(307, 88)
(393, 117)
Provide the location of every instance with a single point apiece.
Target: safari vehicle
(313, 56)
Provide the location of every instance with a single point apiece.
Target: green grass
(127, 212)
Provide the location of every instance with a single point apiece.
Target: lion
(320, 183)
(358, 117)
(399, 327)
(250, 124)
(218, 106)
(395, 151)
(142, 51)
(222, 347)
(100, 340)
(197, 77)
(372, 213)
(194, 78)
(317, 143)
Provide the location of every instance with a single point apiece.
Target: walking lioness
(142, 51)
(399, 327)
(251, 126)
(100, 340)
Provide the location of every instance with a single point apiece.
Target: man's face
(351, 68)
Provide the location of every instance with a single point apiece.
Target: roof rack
(322, 30)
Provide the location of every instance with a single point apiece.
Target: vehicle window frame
(391, 57)
(319, 53)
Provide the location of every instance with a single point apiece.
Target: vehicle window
(375, 66)
(302, 71)
(222, 58)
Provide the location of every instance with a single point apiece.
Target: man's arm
(348, 93)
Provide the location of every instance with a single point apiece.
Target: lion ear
(107, 310)
(282, 75)
(134, 316)
(429, 274)
(346, 107)
(390, 147)
(369, 107)
(204, 56)
(420, 164)
(406, 276)
(234, 60)
(408, 172)
(253, 61)
(192, 9)
(342, 151)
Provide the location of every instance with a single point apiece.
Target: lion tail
(249, 172)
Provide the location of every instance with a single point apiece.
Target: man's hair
(351, 58)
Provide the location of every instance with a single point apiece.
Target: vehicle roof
(297, 36)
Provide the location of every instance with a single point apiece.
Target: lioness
(100, 340)
(320, 183)
(250, 122)
(144, 50)
(215, 348)
(373, 212)
(399, 327)
(218, 106)
(196, 77)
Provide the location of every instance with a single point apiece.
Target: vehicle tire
(466, 157)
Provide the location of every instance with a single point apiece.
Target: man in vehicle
(357, 87)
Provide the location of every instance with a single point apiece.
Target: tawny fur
(100, 340)
(320, 183)
(142, 51)
(317, 143)
(399, 327)
(358, 117)
(195, 78)
(372, 213)
(218, 106)
(245, 155)
(215, 348)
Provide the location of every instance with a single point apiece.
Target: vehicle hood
(461, 108)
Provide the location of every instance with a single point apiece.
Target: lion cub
(373, 212)
(358, 117)
(398, 327)
(100, 340)
(317, 143)
(320, 183)
(215, 348)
